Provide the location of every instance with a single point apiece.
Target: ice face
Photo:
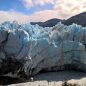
(41, 48)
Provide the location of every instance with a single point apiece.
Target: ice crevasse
(31, 48)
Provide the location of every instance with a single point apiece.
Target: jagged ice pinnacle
(37, 48)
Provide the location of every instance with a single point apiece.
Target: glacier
(28, 49)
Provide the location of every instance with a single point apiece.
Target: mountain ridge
(79, 19)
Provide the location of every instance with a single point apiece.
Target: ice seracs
(36, 48)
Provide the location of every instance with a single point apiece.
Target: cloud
(31, 3)
(68, 8)
(43, 2)
(12, 15)
(28, 3)
(21, 18)
(44, 15)
(62, 9)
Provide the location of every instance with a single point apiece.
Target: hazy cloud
(32, 3)
(62, 9)
(12, 15)
(68, 8)
(28, 3)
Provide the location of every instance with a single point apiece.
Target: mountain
(79, 19)
(49, 23)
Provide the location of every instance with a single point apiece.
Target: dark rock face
(6, 80)
(79, 19)
(11, 71)
(10, 65)
(49, 23)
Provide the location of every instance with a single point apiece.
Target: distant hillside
(78, 19)
(49, 23)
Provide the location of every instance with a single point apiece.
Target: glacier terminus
(28, 49)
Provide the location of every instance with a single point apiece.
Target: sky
(39, 10)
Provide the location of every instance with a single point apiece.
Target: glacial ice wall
(36, 48)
